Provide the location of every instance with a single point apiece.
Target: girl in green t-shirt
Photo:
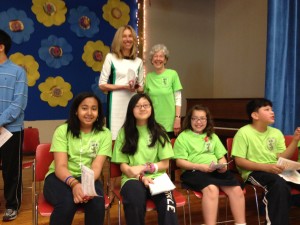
(199, 152)
(143, 150)
(82, 140)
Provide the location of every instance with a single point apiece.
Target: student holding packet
(195, 149)
(143, 150)
(256, 149)
(81, 141)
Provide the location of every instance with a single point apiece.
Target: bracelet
(74, 183)
(177, 116)
(66, 180)
(156, 168)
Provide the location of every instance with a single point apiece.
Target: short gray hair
(157, 48)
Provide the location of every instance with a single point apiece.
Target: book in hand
(217, 166)
(161, 184)
(290, 172)
(87, 181)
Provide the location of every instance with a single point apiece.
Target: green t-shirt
(92, 144)
(143, 155)
(257, 147)
(198, 148)
(161, 88)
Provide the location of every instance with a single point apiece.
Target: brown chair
(288, 139)
(42, 161)
(115, 172)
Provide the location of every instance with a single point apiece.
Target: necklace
(81, 147)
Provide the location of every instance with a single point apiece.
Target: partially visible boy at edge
(256, 149)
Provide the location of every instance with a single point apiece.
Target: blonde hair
(116, 45)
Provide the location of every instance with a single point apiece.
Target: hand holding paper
(161, 184)
(217, 166)
(87, 181)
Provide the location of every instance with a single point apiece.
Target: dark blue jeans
(60, 196)
(135, 194)
(11, 156)
(277, 196)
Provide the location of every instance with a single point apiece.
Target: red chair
(42, 161)
(115, 172)
(30, 142)
(199, 194)
(288, 139)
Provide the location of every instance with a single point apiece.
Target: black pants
(135, 194)
(277, 196)
(11, 157)
(61, 197)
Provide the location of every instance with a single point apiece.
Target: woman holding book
(196, 150)
(143, 150)
(82, 140)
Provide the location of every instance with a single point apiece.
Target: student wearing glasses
(196, 147)
(143, 150)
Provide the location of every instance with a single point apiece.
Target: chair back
(43, 159)
(31, 140)
(232, 165)
(288, 139)
(115, 170)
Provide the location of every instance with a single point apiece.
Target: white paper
(87, 181)
(217, 166)
(161, 184)
(290, 170)
(291, 176)
(4, 135)
(288, 164)
(131, 78)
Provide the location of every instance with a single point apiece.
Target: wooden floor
(25, 214)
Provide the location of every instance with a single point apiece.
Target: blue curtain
(282, 85)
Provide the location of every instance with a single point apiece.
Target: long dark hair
(158, 133)
(73, 121)
(209, 129)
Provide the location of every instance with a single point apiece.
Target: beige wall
(216, 46)
(240, 48)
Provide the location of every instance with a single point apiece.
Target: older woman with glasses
(201, 154)
(164, 88)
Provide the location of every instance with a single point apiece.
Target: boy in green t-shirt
(256, 149)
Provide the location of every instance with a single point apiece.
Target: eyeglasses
(197, 119)
(145, 106)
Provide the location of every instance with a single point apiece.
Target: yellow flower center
(55, 51)
(16, 25)
(116, 13)
(85, 22)
(98, 56)
(49, 8)
(56, 92)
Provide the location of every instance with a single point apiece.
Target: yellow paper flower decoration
(49, 12)
(94, 54)
(56, 91)
(116, 13)
(29, 64)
